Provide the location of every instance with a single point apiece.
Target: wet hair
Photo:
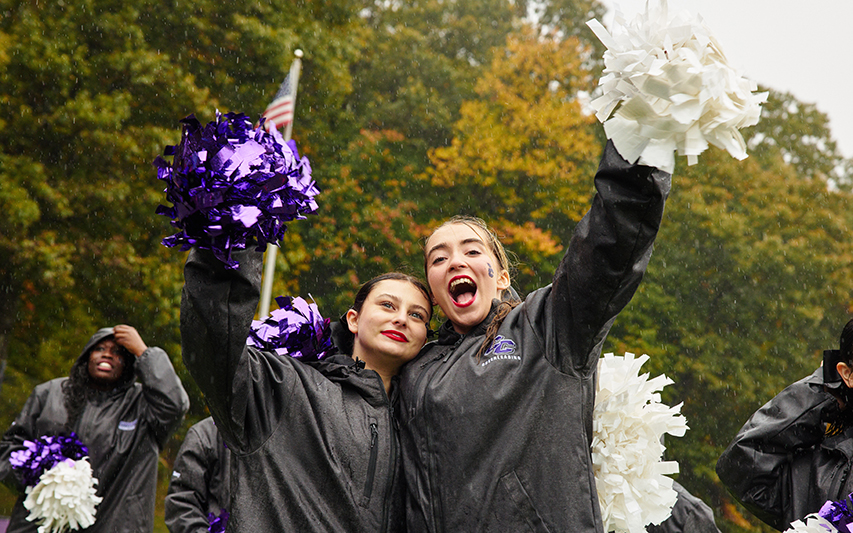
(77, 389)
(504, 263)
(346, 339)
(846, 343)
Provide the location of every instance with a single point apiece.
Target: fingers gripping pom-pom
(232, 184)
(64, 498)
(629, 422)
(296, 329)
(667, 86)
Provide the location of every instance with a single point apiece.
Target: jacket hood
(127, 376)
(344, 369)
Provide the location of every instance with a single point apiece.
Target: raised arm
(242, 386)
(165, 398)
(606, 259)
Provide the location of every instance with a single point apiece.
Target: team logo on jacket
(502, 349)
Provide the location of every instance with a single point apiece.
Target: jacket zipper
(436, 500)
(371, 466)
(392, 466)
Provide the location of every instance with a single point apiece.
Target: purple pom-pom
(44, 453)
(218, 523)
(839, 514)
(231, 183)
(296, 329)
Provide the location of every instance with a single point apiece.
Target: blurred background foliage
(410, 112)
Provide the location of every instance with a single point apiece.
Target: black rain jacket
(689, 515)
(125, 430)
(314, 445)
(782, 465)
(502, 444)
(200, 483)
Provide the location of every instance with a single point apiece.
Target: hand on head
(128, 337)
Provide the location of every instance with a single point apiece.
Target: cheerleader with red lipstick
(496, 415)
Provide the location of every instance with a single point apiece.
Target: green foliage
(797, 134)
(410, 112)
(523, 152)
(748, 284)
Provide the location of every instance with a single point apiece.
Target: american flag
(280, 110)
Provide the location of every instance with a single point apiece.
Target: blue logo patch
(127, 426)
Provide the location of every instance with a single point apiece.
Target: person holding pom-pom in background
(795, 453)
(118, 426)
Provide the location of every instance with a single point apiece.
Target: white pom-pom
(814, 523)
(629, 422)
(64, 498)
(676, 89)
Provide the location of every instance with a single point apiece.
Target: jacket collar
(341, 369)
(448, 335)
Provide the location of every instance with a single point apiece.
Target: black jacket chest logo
(502, 349)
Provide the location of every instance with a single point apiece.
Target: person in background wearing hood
(123, 423)
(796, 452)
(199, 491)
(314, 443)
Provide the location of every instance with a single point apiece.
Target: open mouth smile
(463, 291)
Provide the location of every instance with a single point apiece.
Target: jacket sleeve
(242, 386)
(756, 466)
(23, 428)
(689, 515)
(606, 259)
(188, 496)
(166, 401)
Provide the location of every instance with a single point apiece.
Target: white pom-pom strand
(676, 89)
(813, 523)
(629, 422)
(64, 498)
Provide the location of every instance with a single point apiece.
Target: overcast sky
(801, 47)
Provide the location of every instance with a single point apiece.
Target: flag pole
(269, 263)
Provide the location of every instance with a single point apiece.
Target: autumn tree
(523, 153)
(749, 282)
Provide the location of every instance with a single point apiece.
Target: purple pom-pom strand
(218, 523)
(839, 514)
(231, 183)
(296, 329)
(44, 453)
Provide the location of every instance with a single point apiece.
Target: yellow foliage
(524, 150)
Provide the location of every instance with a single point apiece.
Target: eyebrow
(444, 245)
(397, 301)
